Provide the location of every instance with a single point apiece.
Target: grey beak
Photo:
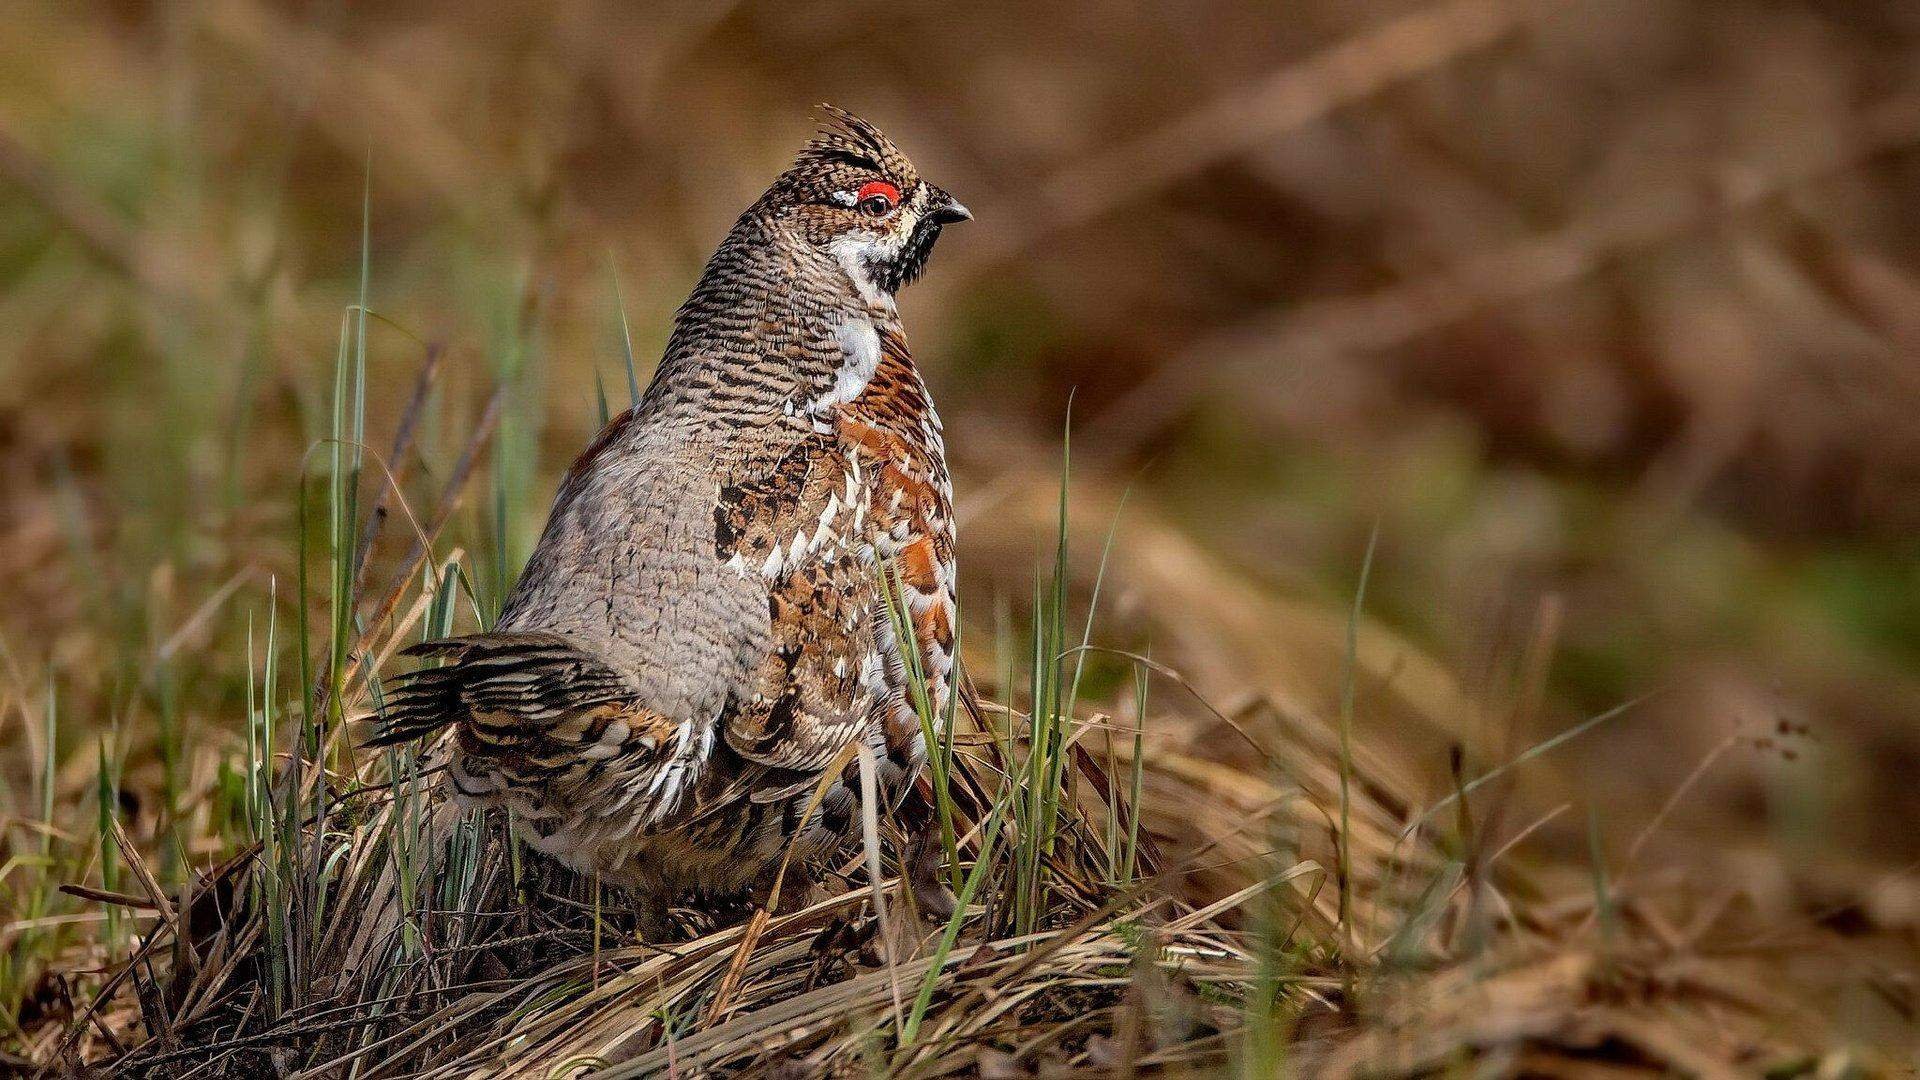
(947, 210)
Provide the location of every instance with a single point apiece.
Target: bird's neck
(770, 327)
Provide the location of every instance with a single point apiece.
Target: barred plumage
(701, 629)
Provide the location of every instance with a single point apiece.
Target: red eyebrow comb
(877, 187)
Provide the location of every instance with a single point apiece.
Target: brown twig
(400, 459)
(449, 498)
(142, 873)
(102, 896)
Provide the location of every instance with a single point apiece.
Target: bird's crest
(846, 139)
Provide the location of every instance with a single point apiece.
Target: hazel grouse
(702, 628)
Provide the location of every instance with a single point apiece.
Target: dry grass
(1180, 889)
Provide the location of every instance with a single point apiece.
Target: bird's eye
(876, 198)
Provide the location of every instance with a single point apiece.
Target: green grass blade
(982, 866)
(626, 332)
(1349, 676)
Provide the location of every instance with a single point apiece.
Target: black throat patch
(907, 267)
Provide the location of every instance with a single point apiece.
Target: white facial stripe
(857, 252)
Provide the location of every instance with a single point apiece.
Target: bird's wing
(535, 712)
(795, 529)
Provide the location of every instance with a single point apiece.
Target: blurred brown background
(1605, 311)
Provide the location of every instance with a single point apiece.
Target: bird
(744, 574)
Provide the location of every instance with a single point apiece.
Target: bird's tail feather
(424, 701)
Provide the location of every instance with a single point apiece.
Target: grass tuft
(1151, 907)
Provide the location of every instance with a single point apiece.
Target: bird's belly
(672, 865)
(730, 850)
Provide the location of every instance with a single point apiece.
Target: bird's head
(854, 195)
